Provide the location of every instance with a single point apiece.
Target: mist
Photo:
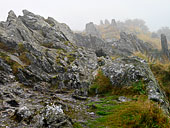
(76, 13)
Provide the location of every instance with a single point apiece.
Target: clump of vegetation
(7, 48)
(14, 65)
(114, 57)
(143, 56)
(23, 57)
(66, 42)
(162, 74)
(23, 54)
(61, 54)
(101, 84)
(21, 48)
(136, 88)
(48, 45)
(140, 113)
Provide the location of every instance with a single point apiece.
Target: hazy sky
(76, 13)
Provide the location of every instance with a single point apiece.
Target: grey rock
(23, 114)
(52, 116)
(92, 30)
(107, 22)
(125, 71)
(164, 45)
(123, 99)
(113, 22)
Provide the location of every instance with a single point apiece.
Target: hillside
(51, 77)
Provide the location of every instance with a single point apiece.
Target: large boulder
(125, 71)
(52, 116)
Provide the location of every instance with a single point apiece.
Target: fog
(76, 13)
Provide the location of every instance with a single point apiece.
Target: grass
(140, 113)
(102, 85)
(23, 57)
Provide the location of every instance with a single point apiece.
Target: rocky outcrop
(41, 58)
(113, 22)
(125, 71)
(164, 45)
(107, 22)
(49, 54)
(129, 43)
(126, 45)
(92, 30)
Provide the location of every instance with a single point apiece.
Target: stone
(92, 30)
(123, 99)
(23, 114)
(107, 22)
(164, 45)
(113, 22)
(101, 22)
(52, 116)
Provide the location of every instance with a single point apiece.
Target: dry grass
(140, 114)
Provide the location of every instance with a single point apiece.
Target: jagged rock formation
(91, 30)
(46, 47)
(126, 45)
(164, 45)
(40, 58)
(113, 22)
(101, 22)
(107, 22)
(129, 44)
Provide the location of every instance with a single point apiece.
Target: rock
(101, 22)
(92, 30)
(123, 99)
(23, 114)
(164, 45)
(113, 22)
(52, 116)
(125, 71)
(11, 16)
(100, 53)
(107, 22)
(46, 56)
(13, 103)
(6, 78)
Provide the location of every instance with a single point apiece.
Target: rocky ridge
(42, 59)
